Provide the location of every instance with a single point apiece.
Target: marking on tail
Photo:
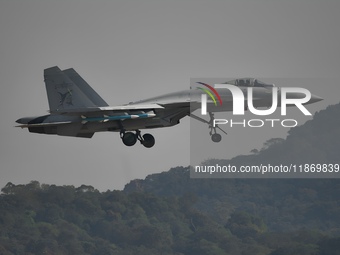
(65, 98)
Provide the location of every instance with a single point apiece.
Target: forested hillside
(48, 219)
(171, 214)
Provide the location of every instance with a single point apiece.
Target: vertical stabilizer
(64, 92)
(85, 87)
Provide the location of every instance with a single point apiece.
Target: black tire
(129, 139)
(148, 140)
(216, 138)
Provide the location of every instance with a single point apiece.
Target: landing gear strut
(130, 139)
(215, 137)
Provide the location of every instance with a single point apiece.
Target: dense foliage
(47, 219)
(169, 213)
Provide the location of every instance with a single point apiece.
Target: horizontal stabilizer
(108, 108)
(44, 124)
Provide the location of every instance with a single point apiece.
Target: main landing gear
(130, 138)
(215, 137)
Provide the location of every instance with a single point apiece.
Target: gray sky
(130, 50)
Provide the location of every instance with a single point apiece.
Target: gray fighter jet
(77, 110)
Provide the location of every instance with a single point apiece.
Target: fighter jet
(76, 110)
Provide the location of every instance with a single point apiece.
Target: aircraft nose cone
(315, 99)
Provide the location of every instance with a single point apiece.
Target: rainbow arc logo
(209, 90)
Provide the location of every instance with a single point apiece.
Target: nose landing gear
(215, 137)
(130, 139)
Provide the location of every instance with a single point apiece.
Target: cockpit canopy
(249, 82)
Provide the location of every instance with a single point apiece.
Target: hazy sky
(131, 50)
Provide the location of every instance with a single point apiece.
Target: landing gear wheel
(129, 138)
(216, 138)
(148, 140)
